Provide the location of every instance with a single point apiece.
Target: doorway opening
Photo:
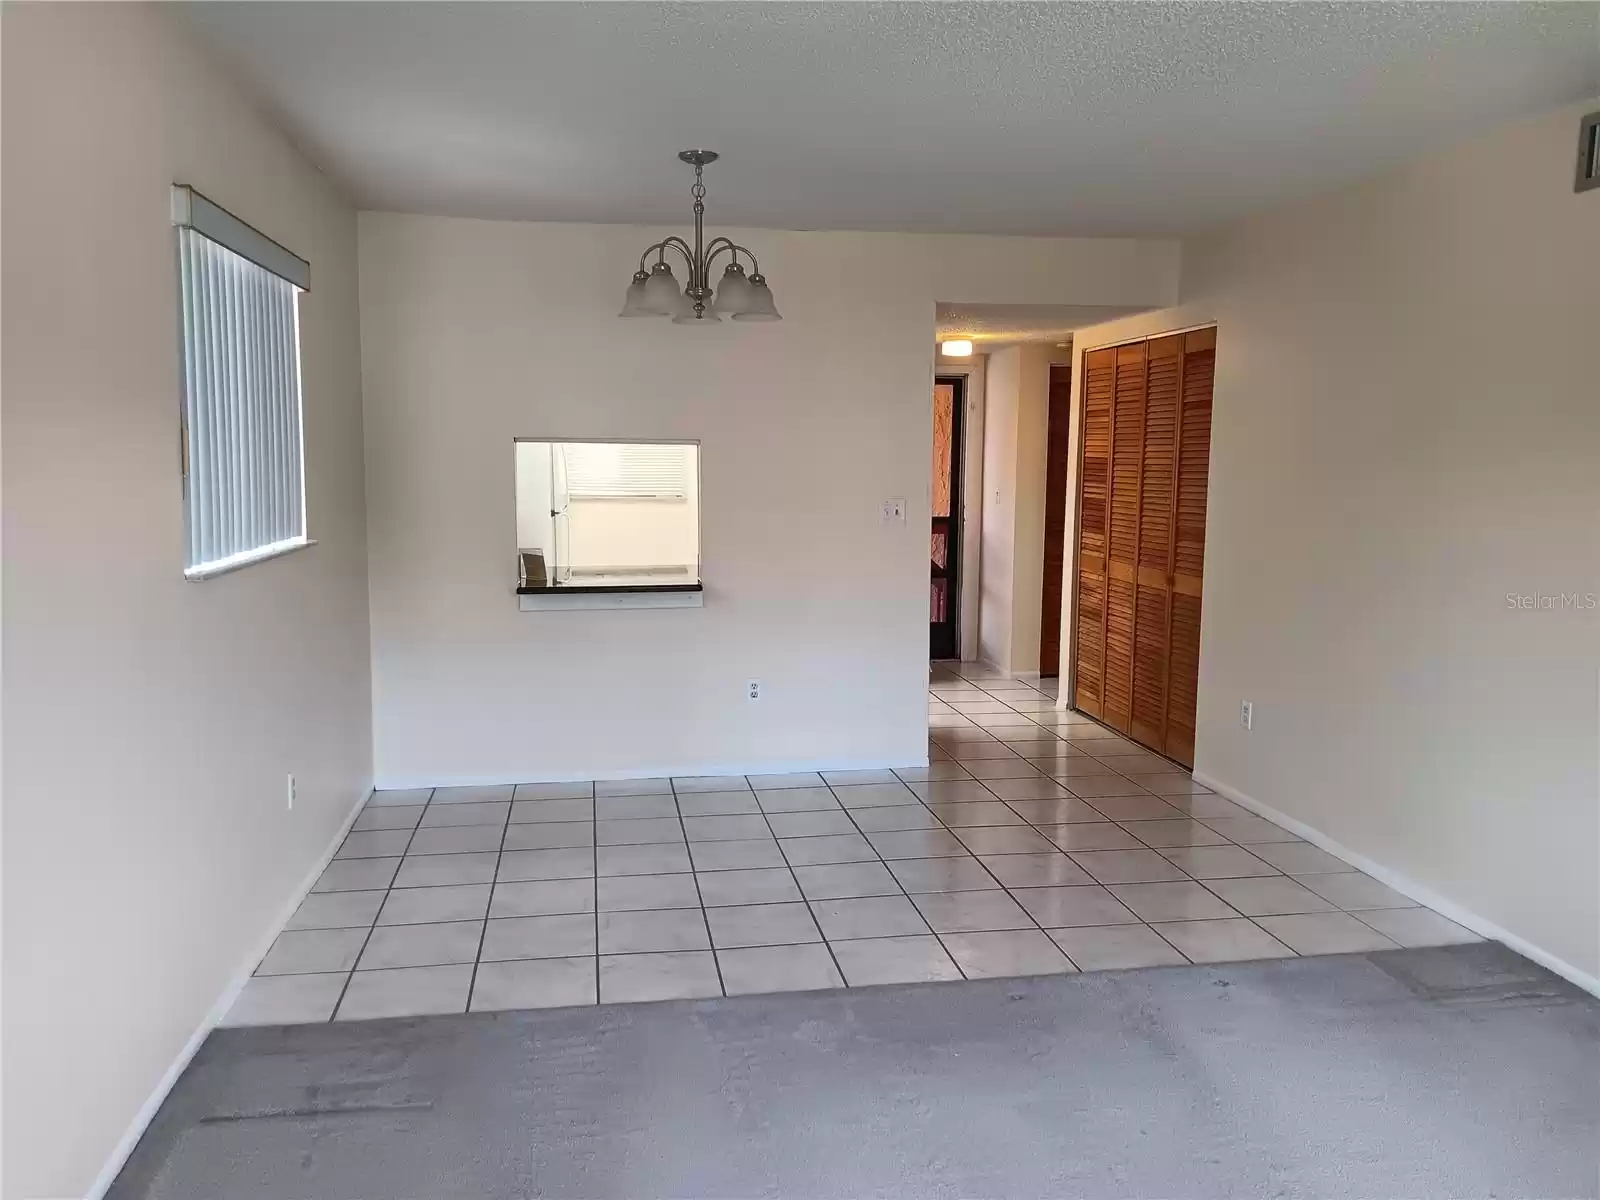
(1058, 461)
(949, 403)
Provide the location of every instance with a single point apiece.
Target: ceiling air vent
(1588, 153)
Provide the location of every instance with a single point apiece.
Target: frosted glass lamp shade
(636, 305)
(734, 296)
(760, 306)
(662, 294)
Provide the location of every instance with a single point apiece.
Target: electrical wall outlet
(752, 690)
(291, 791)
(1247, 712)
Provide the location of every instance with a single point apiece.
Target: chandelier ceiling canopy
(655, 292)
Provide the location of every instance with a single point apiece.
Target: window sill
(238, 562)
(613, 595)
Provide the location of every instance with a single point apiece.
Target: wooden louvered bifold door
(1189, 538)
(1099, 372)
(1122, 542)
(1141, 536)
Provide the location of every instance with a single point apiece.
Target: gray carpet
(1462, 1071)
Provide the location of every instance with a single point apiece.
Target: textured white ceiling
(1006, 324)
(1042, 118)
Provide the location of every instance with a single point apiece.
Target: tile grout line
(1058, 849)
(1238, 915)
(960, 970)
(988, 736)
(1007, 890)
(1089, 801)
(1104, 887)
(1107, 763)
(594, 837)
(957, 765)
(795, 879)
(382, 904)
(488, 903)
(1007, 887)
(694, 874)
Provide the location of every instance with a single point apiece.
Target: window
(243, 461)
(607, 514)
(614, 471)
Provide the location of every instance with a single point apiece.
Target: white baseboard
(217, 1012)
(395, 783)
(1410, 887)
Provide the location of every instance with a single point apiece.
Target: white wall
(535, 527)
(1407, 429)
(1014, 457)
(1027, 560)
(476, 332)
(150, 722)
(1002, 399)
(635, 533)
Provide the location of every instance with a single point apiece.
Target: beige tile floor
(1036, 841)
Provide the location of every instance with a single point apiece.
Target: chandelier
(655, 293)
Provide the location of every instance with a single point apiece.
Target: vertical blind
(244, 485)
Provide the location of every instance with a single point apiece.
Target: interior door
(1141, 536)
(1058, 440)
(1189, 538)
(944, 635)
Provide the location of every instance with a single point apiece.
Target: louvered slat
(1094, 482)
(1189, 541)
(1091, 616)
(1157, 461)
(1096, 451)
(1118, 704)
(1185, 676)
(1150, 665)
(1127, 436)
(1194, 464)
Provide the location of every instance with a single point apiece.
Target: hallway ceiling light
(960, 348)
(655, 293)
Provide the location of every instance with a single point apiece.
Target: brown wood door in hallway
(1141, 536)
(1058, 458)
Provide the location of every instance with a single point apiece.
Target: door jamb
(1069, 511)
(969, 590)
